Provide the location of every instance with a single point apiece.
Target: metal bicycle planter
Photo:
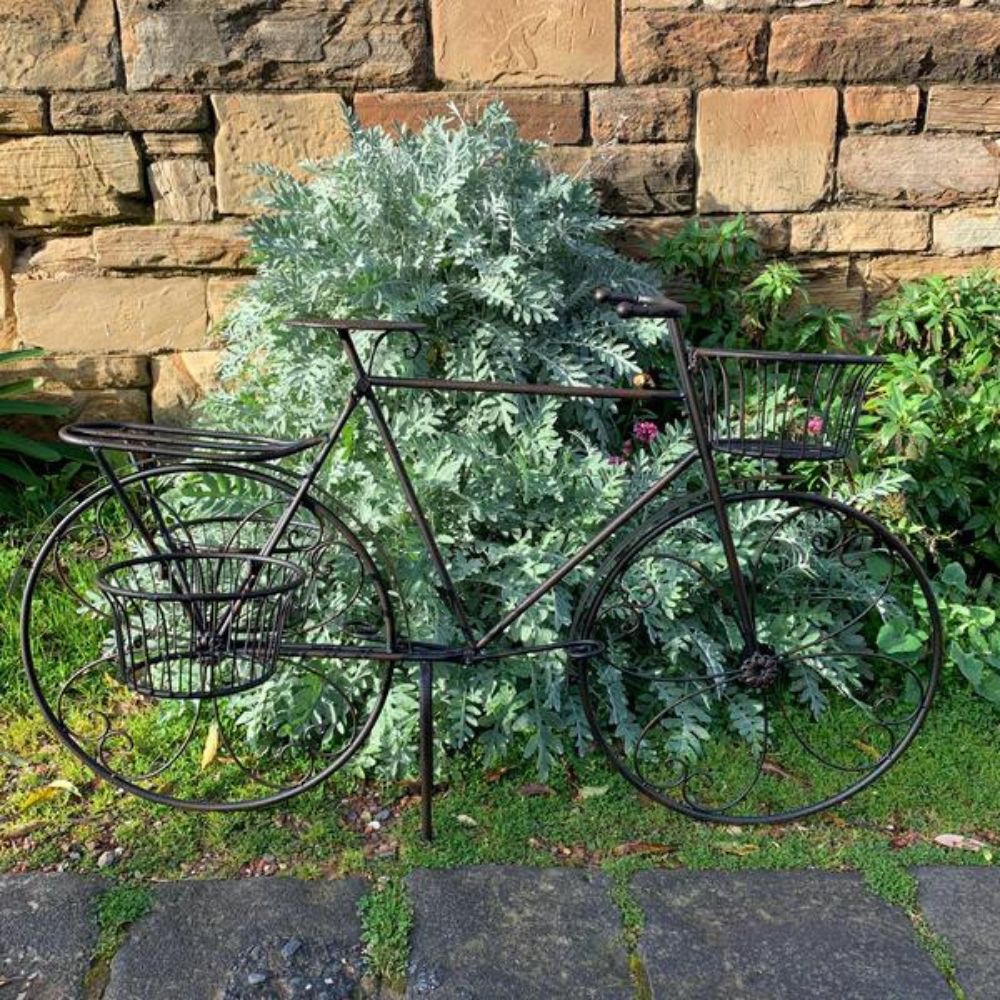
(729, 651)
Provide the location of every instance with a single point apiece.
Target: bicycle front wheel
(252, 744)
(817, 703)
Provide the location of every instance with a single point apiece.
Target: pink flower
(644, 431)
(615, 460)
(814, 425)
(627, 447)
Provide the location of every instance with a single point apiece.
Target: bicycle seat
(182, 442)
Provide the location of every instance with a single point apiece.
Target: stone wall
(860, 136)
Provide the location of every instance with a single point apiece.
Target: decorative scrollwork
(411, 351)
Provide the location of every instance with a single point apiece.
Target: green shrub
(935, 411)
(464, 230)
(735, 299)
(969, 615)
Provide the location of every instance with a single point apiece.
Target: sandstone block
(46, 44)
(859, 232)
(230, 44)
(180, 381)
(529, 42)
(830, 283)
(183, 190)
(220, 246)
(222, 292)
(85, 371)
(159, 145)
(882, 45)
(632, 180)
(700, 48)
(640, 114)
(21, 114)
(554, 116)
(84, 405)
(970, 229)
(130, 405)
(87, 315)
(69, 179)
(119, 112)
(56, 257)
(964, 109)
(637, 236)
(889, 108)
(277, 129)
(881, 275)
(765, 150)
(918, 169)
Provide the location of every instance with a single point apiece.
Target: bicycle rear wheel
(213, 747)
(818, 704)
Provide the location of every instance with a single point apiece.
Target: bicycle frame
(475, 647)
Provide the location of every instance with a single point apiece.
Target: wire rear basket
(199, 625)
(787, 407)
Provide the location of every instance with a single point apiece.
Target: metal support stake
(426, 749)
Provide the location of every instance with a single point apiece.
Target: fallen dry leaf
(740, 850)
(533, 788)
(65, 786)
(496, 774)
(905, 838)
(777, 771)
(868, 750)
(631, 847)
(49, 791)
(24, 830)
(464, 820)
(958, 842)
(211, 748)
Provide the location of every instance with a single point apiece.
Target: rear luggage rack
(182, 442)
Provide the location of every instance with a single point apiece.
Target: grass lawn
(583, 814)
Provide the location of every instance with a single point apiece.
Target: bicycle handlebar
(649, 306)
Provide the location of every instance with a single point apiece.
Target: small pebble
(107, 859)
(289, 948)
(256, 978)
(383, 814)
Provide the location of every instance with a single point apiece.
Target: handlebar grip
(650, 309)
(606, 296)
(649, 306)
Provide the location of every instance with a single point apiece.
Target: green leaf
(19, 473)
(896, 636)
(26, 446)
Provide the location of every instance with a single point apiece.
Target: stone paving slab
(243, 940)
(963, 906)
(781, 935)
(48, 930)
(535, 934)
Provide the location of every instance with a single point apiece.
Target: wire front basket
(198, 625)
(787, 407)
